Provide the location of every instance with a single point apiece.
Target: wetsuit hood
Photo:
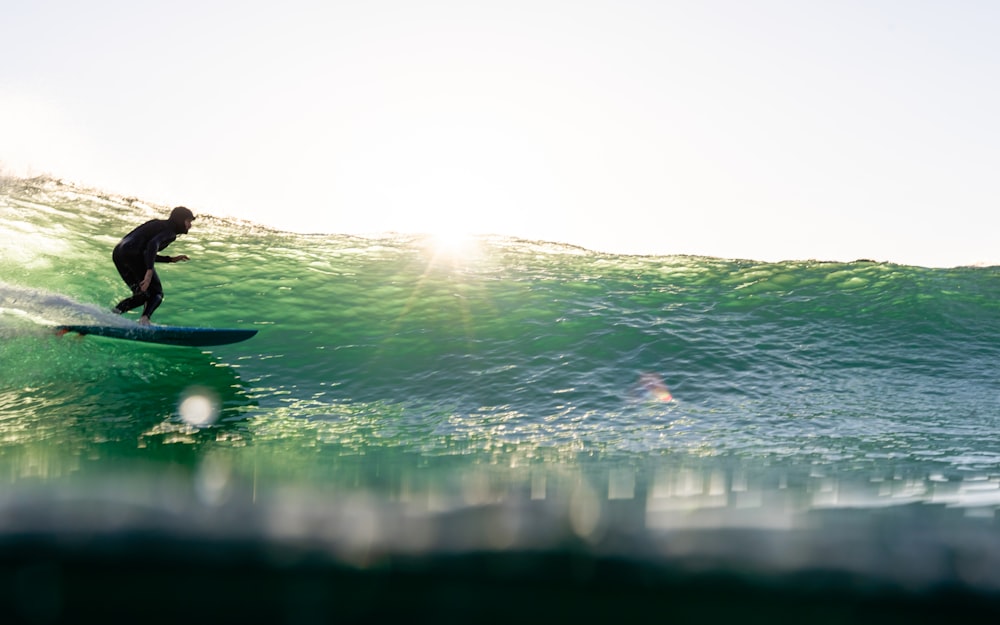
(178, 216)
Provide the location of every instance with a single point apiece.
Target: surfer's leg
(132, 270)
(138, 299)
(154, 296)
(129, 303)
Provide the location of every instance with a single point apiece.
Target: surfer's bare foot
(144, 320)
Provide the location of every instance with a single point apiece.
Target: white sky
(756, 129)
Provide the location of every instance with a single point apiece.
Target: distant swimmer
(135, 255)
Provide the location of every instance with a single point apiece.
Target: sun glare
(453, 243)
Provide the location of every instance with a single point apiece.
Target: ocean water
(685, 416)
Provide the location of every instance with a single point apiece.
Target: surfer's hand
(144, 285)
(177, 259)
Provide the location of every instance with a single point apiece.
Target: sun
(454, 243)
(451, 230)
(453, 248)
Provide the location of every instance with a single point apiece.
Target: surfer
(135, 255)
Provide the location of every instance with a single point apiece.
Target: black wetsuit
(135, 254)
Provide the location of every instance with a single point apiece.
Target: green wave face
(380, 359)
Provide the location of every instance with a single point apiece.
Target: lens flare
(199, 407)
(653, 388)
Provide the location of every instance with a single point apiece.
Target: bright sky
(759, 129)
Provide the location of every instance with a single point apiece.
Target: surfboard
(166, 335)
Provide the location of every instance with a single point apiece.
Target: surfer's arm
(152, 253)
